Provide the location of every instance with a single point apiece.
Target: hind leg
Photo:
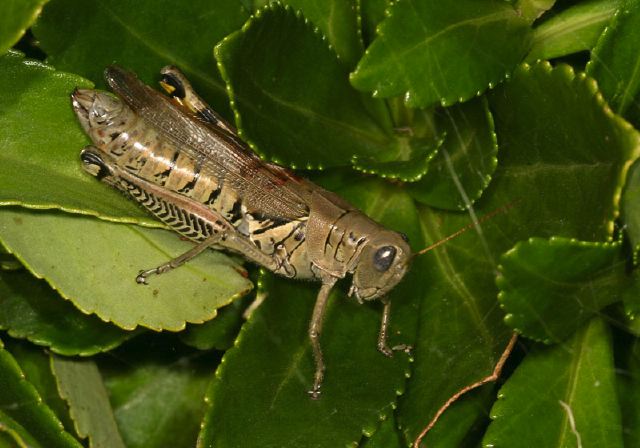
(179, 88)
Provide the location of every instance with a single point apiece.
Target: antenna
(484, 218)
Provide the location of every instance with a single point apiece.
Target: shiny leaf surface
(575, 29)
(428, 52)
(30, 309)
(41, 135)
(54, 247)
(20, 401)
(561, 396)
(289, 92)
(549, 288)
(156, 388)
(338, 21)
(466, 160)
(631, 205)
(545, 176)
(562, 162)
(615, 62)
(141, 36)
(15, 17)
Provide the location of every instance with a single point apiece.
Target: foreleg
(384, 328)
(315, 328)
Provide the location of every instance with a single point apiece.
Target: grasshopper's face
(97, 112)
(382, 264)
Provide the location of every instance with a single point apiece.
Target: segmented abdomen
(144, 152)
(141, 150)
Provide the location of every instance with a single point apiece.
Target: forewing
(266, 189)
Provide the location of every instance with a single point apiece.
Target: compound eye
(383, 258)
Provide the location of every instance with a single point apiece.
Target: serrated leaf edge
(94, 350)
(495, 150)
(397, 176)
(209, 396)
(182, 325)
(503, 285)
(144, 222)
(591, 86)
(268, 8)
(31, 390)
(602, 40)
(583, 348)
(21, 442)
(74, 410)
(408, 95)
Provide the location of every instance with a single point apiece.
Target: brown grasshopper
(186, 165)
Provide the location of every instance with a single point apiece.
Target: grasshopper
(182, 162)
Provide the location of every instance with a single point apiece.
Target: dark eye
(383, 258)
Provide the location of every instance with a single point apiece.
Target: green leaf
(36, 366)
(575, 29)
(371, 14)
(141, 35)
(386, 436)
(41, 135)
(411, 170)
(360, 383)
(291, 96)
(532, 9)
(20, 401)
(461, 336)
(615, 62)
(550, 288)
(15, 17)
(463, 166)
(156, 389)
(81, 386)
(464, 421)
(429, 52)
(13, 435)
(218, 333)
(561, 396)
(107, 257)
(338, 22)
(561, 174)
(561, 167)
(631, 302)
(30, 309)
(628, 381)
(585, 154)
(626, 314)
(631, 205)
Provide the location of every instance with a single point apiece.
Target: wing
(265, 188)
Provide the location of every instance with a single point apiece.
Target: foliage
(426, 117)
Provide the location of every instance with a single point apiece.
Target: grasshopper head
(96, 112)
(381, 265)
